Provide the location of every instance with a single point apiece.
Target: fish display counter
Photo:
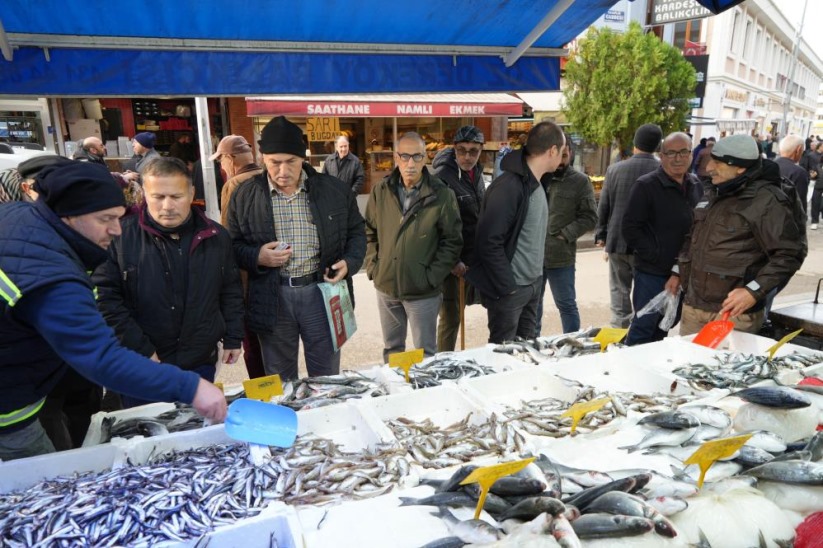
(382, 464)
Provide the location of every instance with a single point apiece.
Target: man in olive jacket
(572, 213)
(413, 236)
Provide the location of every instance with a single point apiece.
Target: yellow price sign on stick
(712, 451)
(772, 350)
(580, 410)
(609, 335)
(263, 388)
(487, 475)
(220, 386)
(405, 360)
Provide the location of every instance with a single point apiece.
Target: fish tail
(408, 501)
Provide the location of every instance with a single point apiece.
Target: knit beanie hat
(737, 150)
(29, 169)
(78, 188)
(282, 136)
(648, 137)
(146, 139)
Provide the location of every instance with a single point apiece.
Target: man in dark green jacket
(572, 213)
(413, 239)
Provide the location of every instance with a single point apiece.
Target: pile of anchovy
(542, 417)
(312, 392)
(436, 447)
(315, 471)
(736, 370)
(174, 497)
(444, 367)
(542, 349)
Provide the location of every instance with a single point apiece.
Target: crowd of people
(138, 296)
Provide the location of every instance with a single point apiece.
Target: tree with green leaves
(616, 82)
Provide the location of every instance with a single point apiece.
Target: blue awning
(212, 47)
(719, 6)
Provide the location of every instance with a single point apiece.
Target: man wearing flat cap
(48, 315)
(745, 241)
(237, 159)
(293, 228)
(620, 178)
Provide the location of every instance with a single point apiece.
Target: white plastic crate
(444, 405)
(345, 425)
(276, 525)
(512, 388)
(94, 433)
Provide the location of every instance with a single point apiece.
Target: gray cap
(737, 150)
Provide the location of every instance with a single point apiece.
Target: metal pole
(788, 95)
(204, 137)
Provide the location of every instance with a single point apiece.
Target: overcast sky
(812, 34)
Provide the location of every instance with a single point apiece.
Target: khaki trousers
(693, 319)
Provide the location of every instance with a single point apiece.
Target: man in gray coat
(620, 178)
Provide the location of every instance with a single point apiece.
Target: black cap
(28, 169)
(280, 136)
(77, 188)
(648, 137)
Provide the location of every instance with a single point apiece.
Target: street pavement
(366, 346)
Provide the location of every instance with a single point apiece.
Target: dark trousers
(66, 415)
(513, 315)
(253, 355)
(817, 198)
(561, 284)
(302, 315)
(205, 371)
(645, 329)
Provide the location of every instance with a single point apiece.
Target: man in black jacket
(791, 151)
(657, 220)
(345, 166)
(511, 236)
(170, 287)
(460, 169)
(291, 228)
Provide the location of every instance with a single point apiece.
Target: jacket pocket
(713, 282)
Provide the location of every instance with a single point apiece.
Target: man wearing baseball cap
(48, 315)
(459, 167)
(745, 240)
(293, 228)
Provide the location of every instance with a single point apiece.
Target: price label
(609, 335)
(487, 475)
(580, 410)
(405, 360)
(712, 451)
(776, 346)
(263, 388)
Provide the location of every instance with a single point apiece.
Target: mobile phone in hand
(282, 245)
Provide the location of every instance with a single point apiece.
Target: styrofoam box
(748, 343)
(93, 435)
(21, 474)
(512, 388)
(344, 424)
(444, 405)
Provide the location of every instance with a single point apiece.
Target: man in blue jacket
(48, 315)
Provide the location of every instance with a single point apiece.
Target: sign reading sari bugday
(323, 129)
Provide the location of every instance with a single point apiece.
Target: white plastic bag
(665, 304)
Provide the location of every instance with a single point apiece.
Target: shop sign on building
(380, 109)
(701, 68)
(736, 95)
(322, 129)
(671, 11)
(615, 16)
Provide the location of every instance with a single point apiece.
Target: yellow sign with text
(714, 450)
(405, 360)
(323, 129)
(487, 475)
(263, 388)
(580, 410)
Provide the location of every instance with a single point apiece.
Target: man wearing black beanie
(48, 315)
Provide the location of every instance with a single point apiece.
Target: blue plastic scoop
(262, 423)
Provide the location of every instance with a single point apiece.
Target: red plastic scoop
(714, 332)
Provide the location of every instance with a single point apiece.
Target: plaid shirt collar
(301, 185)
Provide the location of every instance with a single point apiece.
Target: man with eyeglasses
(657, 220)
(511, 236)
(413, 234)
(460, 169)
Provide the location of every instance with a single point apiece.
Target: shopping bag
(339, 311)
(665, 304)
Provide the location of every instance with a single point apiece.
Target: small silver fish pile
(313, 392)
(444, 367)
(315, 471)
(542, 349)
(436, 447)
(542, 417)
(736, 370)
(175, 497)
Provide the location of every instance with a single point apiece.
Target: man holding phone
(293, 228)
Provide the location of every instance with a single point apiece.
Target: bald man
(791, 150)
(93, 150)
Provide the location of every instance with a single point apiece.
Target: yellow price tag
(580, 410)
(220, 386)
(263, 388)
(776, 346)
(609, 335)
(714, 450)
(405, 360)
(487, 475)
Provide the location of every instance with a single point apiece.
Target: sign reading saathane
(670, 11)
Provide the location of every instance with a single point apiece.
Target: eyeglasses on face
(467, 151)
(406, 157)
(677, 153)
